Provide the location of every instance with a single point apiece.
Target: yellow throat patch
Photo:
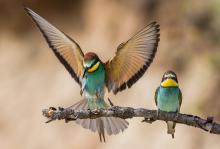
(169, 83)
(94, 67)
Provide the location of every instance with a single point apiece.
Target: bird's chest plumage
(168, 99)
(93, 83)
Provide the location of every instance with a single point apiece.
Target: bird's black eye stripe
(173, 78)
(93, 63)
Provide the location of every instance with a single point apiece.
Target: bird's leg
(95, 109)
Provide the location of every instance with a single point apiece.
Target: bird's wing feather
(132, 59)
(156, 93)
(66, 49)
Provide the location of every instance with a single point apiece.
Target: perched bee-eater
(130, 62)
(168, 97)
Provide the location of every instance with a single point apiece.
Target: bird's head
(169, 79)
(91, 63)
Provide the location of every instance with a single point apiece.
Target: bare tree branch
(128, 112)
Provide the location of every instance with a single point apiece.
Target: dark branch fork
(128, 112)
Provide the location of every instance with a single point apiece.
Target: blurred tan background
(31, 77)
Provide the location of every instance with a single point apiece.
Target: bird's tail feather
(171, 128)
(110, 125)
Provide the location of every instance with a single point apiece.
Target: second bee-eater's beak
(84, 71)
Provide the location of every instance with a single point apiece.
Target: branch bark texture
(128, 112)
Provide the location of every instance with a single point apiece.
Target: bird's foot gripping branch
(127, 112)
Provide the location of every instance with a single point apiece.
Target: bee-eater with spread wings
(129, 64)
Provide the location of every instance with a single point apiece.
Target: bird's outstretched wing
(65, 48)
(132, 59)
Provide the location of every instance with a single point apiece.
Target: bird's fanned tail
(109, 125)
